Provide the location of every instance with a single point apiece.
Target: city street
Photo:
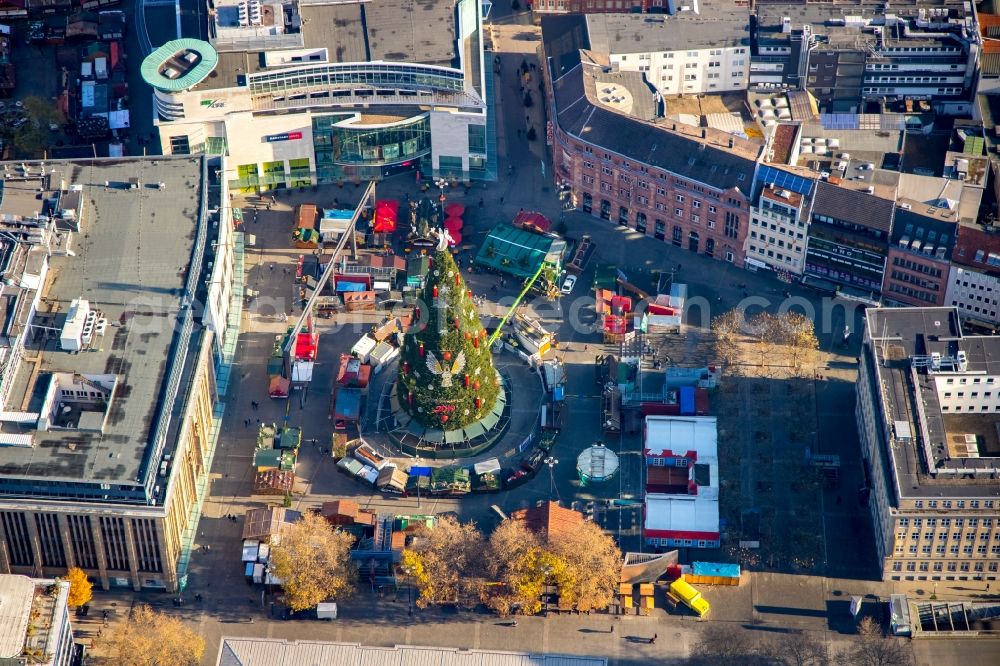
(772, 599)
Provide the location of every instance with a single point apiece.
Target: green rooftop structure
(179, 64)
(519, 252)
(264, 459)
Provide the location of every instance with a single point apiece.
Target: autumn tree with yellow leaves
(518, 568)
(313, 562)
(149, 638)
(593, 566)
(452, 563)
(80, 589)
(444, 561)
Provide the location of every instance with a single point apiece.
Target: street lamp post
(409, 589)
(418, 483)
(442, 184)
(551, 462)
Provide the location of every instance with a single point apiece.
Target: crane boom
(328, 272)
(517, 303)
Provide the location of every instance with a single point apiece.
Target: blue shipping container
(687, 401)
(716, 569)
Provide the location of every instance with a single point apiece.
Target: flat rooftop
(715, 25)
(902, 343)
(131, 262)
(682, 434)
(270, 651)
(822, 16)
(390, 30)
(412, 30)
(16, 593)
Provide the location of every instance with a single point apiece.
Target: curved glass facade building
(339, 145)
(425, 77)
(331, 91)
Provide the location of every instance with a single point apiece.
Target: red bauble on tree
(406, 367)
(475, 385)
(475, 342)
(447, 355)
(444, 418)
(421, 350)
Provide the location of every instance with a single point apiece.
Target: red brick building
(684, 185)
(924, 232)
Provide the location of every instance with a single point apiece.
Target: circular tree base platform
(415, 439)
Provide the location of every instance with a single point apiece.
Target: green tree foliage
(447, 379)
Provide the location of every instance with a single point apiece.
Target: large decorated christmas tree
(446, 374)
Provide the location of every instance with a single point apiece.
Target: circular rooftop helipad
(179, 64)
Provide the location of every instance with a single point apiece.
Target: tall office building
(928, 410)
(120, 313)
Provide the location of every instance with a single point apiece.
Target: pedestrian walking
(501, 201)
(612, 629)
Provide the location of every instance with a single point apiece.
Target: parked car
(568, 284)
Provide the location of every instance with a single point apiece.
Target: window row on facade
(80, 536)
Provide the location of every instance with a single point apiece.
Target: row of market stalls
(364, 463)
(371, 354)
(304, 350)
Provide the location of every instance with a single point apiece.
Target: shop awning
(305, 346)
(385, 216)
(527, 219)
